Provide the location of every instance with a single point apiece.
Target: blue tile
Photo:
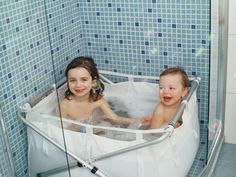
(4, 47)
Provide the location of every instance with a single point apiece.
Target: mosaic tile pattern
(26, 68)
(134, 37)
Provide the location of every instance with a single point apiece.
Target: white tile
(232, 17)
(231, 65)
(230, 119)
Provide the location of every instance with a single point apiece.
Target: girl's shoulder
(100, 102)
(64, 103)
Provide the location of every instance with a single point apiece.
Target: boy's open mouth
(167, 98)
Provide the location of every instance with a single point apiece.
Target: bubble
(154, 51)
(148, 33)
(134, 67)
(212, 37)
(213, 125)
(199, 52)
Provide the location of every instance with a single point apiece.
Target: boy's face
(171, 89)
(79, 81)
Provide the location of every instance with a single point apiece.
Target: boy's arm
(157, 120)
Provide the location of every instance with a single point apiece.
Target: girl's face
(79, 82)
(171, 89)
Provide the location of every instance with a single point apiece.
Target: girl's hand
(146, 121)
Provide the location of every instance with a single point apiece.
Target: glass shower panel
(219, 25)
(28, 88)
(58, 31)
(214, 121)
(6, 165)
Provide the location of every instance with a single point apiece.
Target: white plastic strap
(89, 132)
(45, 142)
(140, 163)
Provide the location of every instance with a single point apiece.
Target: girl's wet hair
(181, 72)
(89, 64)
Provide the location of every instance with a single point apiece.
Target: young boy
(173, 87)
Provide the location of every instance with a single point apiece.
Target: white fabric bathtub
(171, 157)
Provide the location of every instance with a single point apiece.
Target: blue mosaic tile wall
(134, 37)
(25, 69)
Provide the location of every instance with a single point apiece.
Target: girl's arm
(63, 109)
(109, 114)
(65, 114)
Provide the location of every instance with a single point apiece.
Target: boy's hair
(180, 71)
(89, 64)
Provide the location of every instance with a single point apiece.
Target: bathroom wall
(25, 68)
(134, 37)
(230, 121)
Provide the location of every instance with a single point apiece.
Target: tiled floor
(226, 164)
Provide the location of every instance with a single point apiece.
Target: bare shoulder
(64, 103)
(158, 110)
(104, 106)
(101, 103)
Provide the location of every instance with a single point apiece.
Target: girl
(85, 93)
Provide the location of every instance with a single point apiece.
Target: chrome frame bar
(178, 115)
(131, 148)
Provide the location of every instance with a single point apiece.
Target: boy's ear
(185, 92)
